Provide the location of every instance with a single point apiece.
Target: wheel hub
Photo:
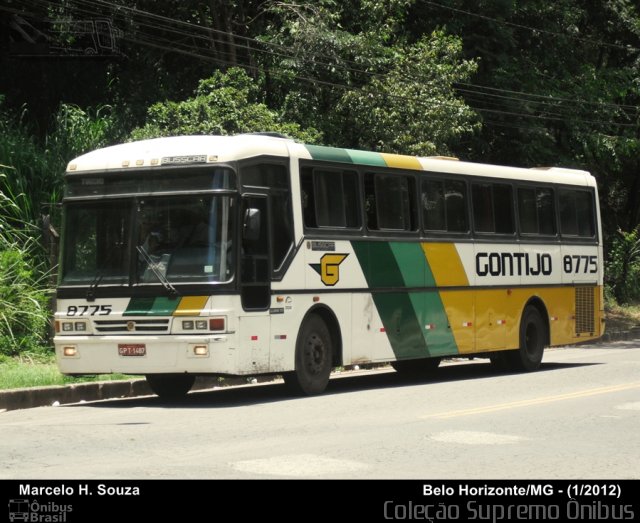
(315, 354)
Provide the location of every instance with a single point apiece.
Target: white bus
(254, 254)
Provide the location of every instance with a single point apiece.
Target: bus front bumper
(214, 354)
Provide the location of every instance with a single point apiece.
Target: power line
(599, 43)
(550, 98)
(151, 16)
(158, 42)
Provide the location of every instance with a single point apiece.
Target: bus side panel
(414, 318)
(369, 341)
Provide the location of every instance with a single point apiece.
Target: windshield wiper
(152, 265)
(91, 291)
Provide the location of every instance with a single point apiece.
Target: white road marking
(299, 465)
(468, 437)
(629, 406)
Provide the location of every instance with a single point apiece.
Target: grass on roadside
(18, 373)
(622, 318)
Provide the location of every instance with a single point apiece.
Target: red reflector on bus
(216, 324)
(382, 329)
(254, 338)
(280, 337)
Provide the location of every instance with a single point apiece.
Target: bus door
(255, 287)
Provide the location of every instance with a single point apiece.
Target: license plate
(132, 349)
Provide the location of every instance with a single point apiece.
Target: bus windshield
(139, 241)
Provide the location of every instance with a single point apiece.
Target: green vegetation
(226, 103)
(623, 267)
(18, 373)
(532, 83)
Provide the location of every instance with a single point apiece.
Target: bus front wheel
(170, 387)
(313, 360)
(533, 334)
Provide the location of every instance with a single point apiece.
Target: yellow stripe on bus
(445, 264)
(459, 307)
(191, 305)
(487, 320)
(401, 161)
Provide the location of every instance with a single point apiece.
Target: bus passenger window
(455, 197)
(528, 217)
(482, 208)
(545, 203)
(568, 223)
(576, 213)
(503, 208)
(444, 205)
(493, 208)
(393, 202)
(330, 198)
(536, 211)
(584, 210)
(433, 205)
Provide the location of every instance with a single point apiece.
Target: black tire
(170, 387)
(416, 368)
(314, 358)
(533, 335)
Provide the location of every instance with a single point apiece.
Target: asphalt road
(578, 417)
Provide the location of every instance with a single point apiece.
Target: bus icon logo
(18, 510)
(329, 268)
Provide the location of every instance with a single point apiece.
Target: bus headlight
(70, 351)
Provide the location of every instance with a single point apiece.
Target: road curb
(632, 334)
(28, 398)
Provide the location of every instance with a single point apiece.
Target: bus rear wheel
(416, 368)
(170, 387)
(533, 334)
(313, 360)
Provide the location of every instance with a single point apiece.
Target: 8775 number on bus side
(576, 264)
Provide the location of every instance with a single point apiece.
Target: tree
(413, 109)
(226, 103)
(363, 86)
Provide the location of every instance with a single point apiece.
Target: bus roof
(219, 149)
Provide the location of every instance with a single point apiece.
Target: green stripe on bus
(428, 306)
(151, 307)
(164, 306)
(415, 322)
(366, 158)
(139, 307)
(411, 262)
(378, 264)
(329, 154)
(396, 309)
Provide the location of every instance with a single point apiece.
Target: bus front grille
(132, 326)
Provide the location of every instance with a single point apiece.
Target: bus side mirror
(251, 228)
